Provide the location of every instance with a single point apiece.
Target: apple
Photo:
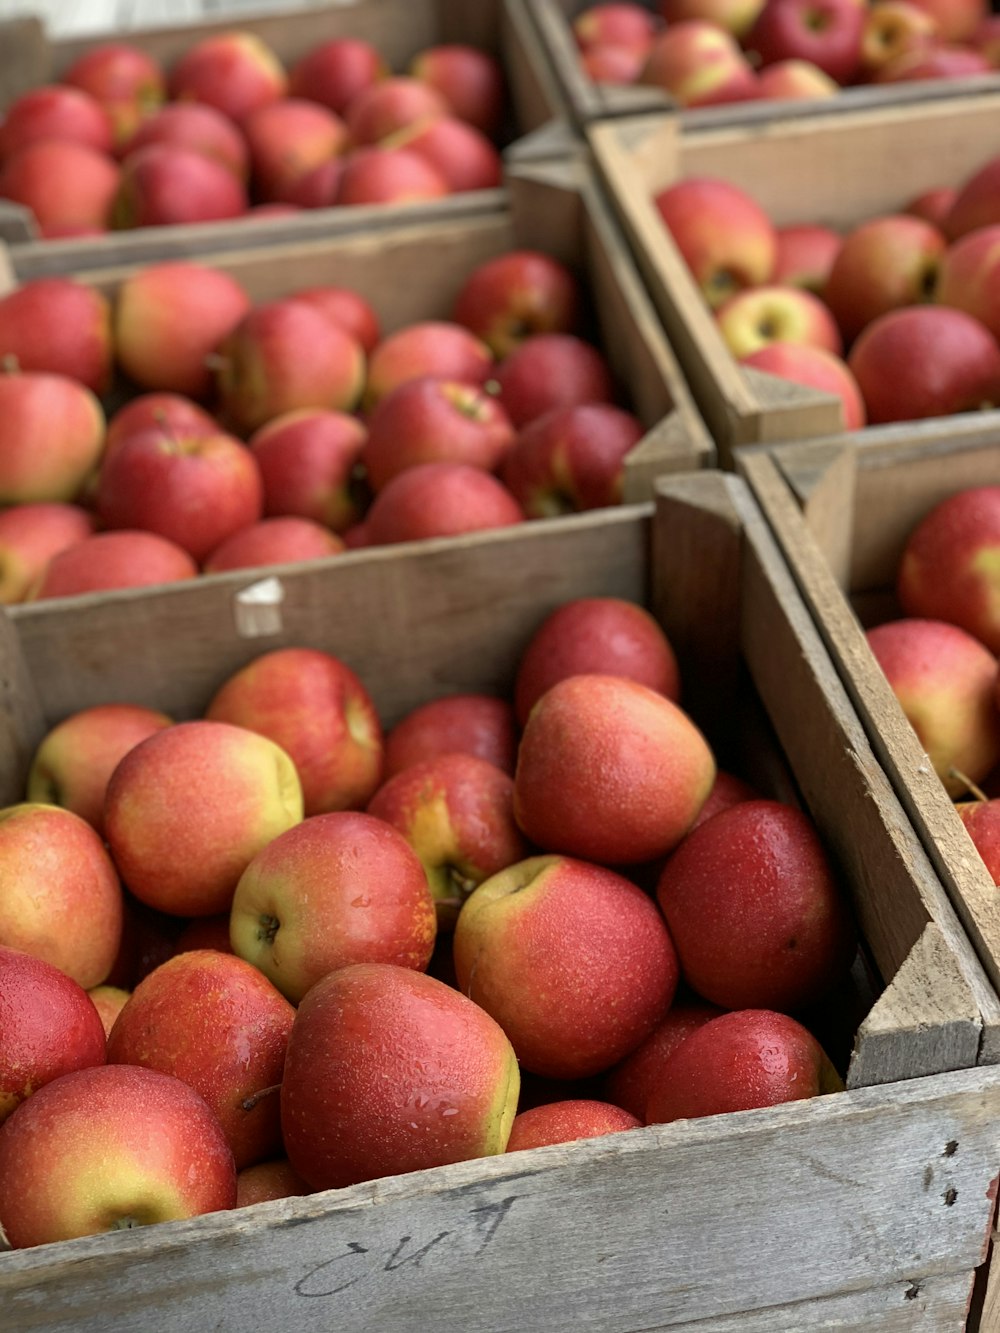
(466, 159)
(54, 111)
(507, 299)
(216, 1023)
(969, 276)
(955, 20)
(109, 1002)
(629, 1083)
(163, 185)
(113, 560)
(933, 205)
(752, 319)
(825, 32)
(110, 1148)
(595, 635)
(725, 238)
(737, 16)
(316, 709)
(173, 413)
(75, 759)
(948, 568)
(48, 1027)
(235, 72)
(288, 139)
(30, 535)
(977, 202)
(308, 462)
(893, 28)
(476, 724)
(268, 1180)
(349, 309)
(935, 62)
(986, 39)
(60, 898)
(925, 361)
(525, 951)
(60, 326)
(571, 459)
(188, 808)
(355, 1106)
(205, 932)
(983, 827)
(51, 437)
(198, 128)
(549, 371)
(68, 187)
(284, 355)
(815, 368)
(428, 420)
(945, 681)
(739, 1061)
(127, 81)
(616, 24)
(338, 889)
(699, 64)
(391, 105)
(439, 500)
(335, 72)
(805, 255)
(609, 770)
(273, 541)
(613, 64)
(564, 1122)
(456, 812)
(727, 791)
(754, 909)
(381, 175)
(786, 80)
(316, 187)
(882, 265)
(438, 348)
(470, 81)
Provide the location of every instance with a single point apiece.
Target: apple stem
(250, 1102)
(492, 387)
(977, 792)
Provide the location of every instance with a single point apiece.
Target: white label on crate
(257, 609)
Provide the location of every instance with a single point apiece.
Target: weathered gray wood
(699, 1220)
(17, 224)
(22, 722)
(24, 57)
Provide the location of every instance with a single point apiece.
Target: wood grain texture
(882, 1187)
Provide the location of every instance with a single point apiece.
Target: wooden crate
(866, 1210)
(415, 272)
(399, 28)
(583, 101)
(838, 170)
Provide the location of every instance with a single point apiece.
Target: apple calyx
(268, 928)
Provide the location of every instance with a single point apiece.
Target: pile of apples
(276, 950)
(908, 298)
(288, 430)
(121, 142)
(941, 655)
(710, 52)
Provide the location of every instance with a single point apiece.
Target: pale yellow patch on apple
(105, 1193)
(503, 1109)
(986, 563)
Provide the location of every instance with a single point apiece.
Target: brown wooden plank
(25, 58)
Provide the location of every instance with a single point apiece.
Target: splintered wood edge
(928, 809)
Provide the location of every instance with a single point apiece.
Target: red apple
(287, 140)
(816, 369)
(61, 326)
(524, 951)
(969, 276)
(725, 238)
(935, 62)
(173, 413)
(571, 459)
(68, 187)
(786, 80)
(198, 128)
(51, 437)
(825, 32)
(74, 762)
(388, 176)
(507, 299)
(127, 81)
(268, 1180)
(737, 16)
(30, 535)
(114, 560)
(752, 319)
(313, 706)
(549, 371)
(438, 348)
(335, 72)
(986, 39)
(51, 112)
(983, 827)
(349, 309)
(595, 635)
(205, 932)
(609, 770)
(308, 461)
(164, 185)
(977, 203)
(564, 1122)
(391, 105)
(616, 24)
(235, 72)
(217, 1024)
(470, 81)
(439, 500)
(188, 809)
(956, 20)
(933, 205)
(727, 791)
(805, 256)
(48, 1027)
(462, 154)
(629, 1083)
(109, 1001)
(699, 64)
(893, 28)
(340, 888)
(475, 724)
(613, 64)
(884, 264)
(110, 1148)
(273, 541)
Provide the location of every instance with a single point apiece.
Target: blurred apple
(571, 459)
(308, 461)
(805, 255)
(814, 368)
(127, 81)
(798, 80)
(390, 105)
(882, 265)
(725, 238)
(969, 276)
(752, 319)
(288, 139)
(466, 159)
(198, 128)
(437, 348)
(55, 112)
(67, 186)
(173, 413)
(976, 203)
(439, 500)
(60, 326)
(114, 560)
(164, 185)
(470, 81)
(335, 72)
(273, 541)
(509, 298)
(348, 308)
(51, 437)
(893, 28)
(737, 16)
(552, 370)
(235, 72)
(699, 64)
(827, 33)
(381, 175)
(30, 535)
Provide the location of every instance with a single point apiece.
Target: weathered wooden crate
(414, 272)
(835, 169)
(583, 101)
(399, 28)
(865, 1210)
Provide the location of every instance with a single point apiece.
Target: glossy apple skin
(30, 535)
(235, 72)
(725, 238)
(51, 437)
(699, 64)
(610, 771)
(114, 560)
(564, 1122)
(199, 128)
(151, 1142)
(471, 81)
(945, 682)
(523, 949)
(216, 1023)
(825, 32)
(164, 185)
(571, 459)
(67, 186)
(307, 462)
(456, 812)
(59, 326)
(923, 362)
(884, 264)
(273, 541)
(509, 298)
(189, 808)
(755, 911)
(549, 371)
(629, 1083)
(740, 1061)
(950, 563)
(476, 724)
(169, 318)
(335, 72)
(595, 635)
(815, 368)
(439, 500)
(969, 276)
(48, 1027)
(772, 313)
(338, 889)
(356, 1107)
(438, 348)
(60, 897)
(73, 764)
(268, 1180)
(805, 255)
(316, 708)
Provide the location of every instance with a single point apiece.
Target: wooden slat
(25, 58)
(534, 86)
